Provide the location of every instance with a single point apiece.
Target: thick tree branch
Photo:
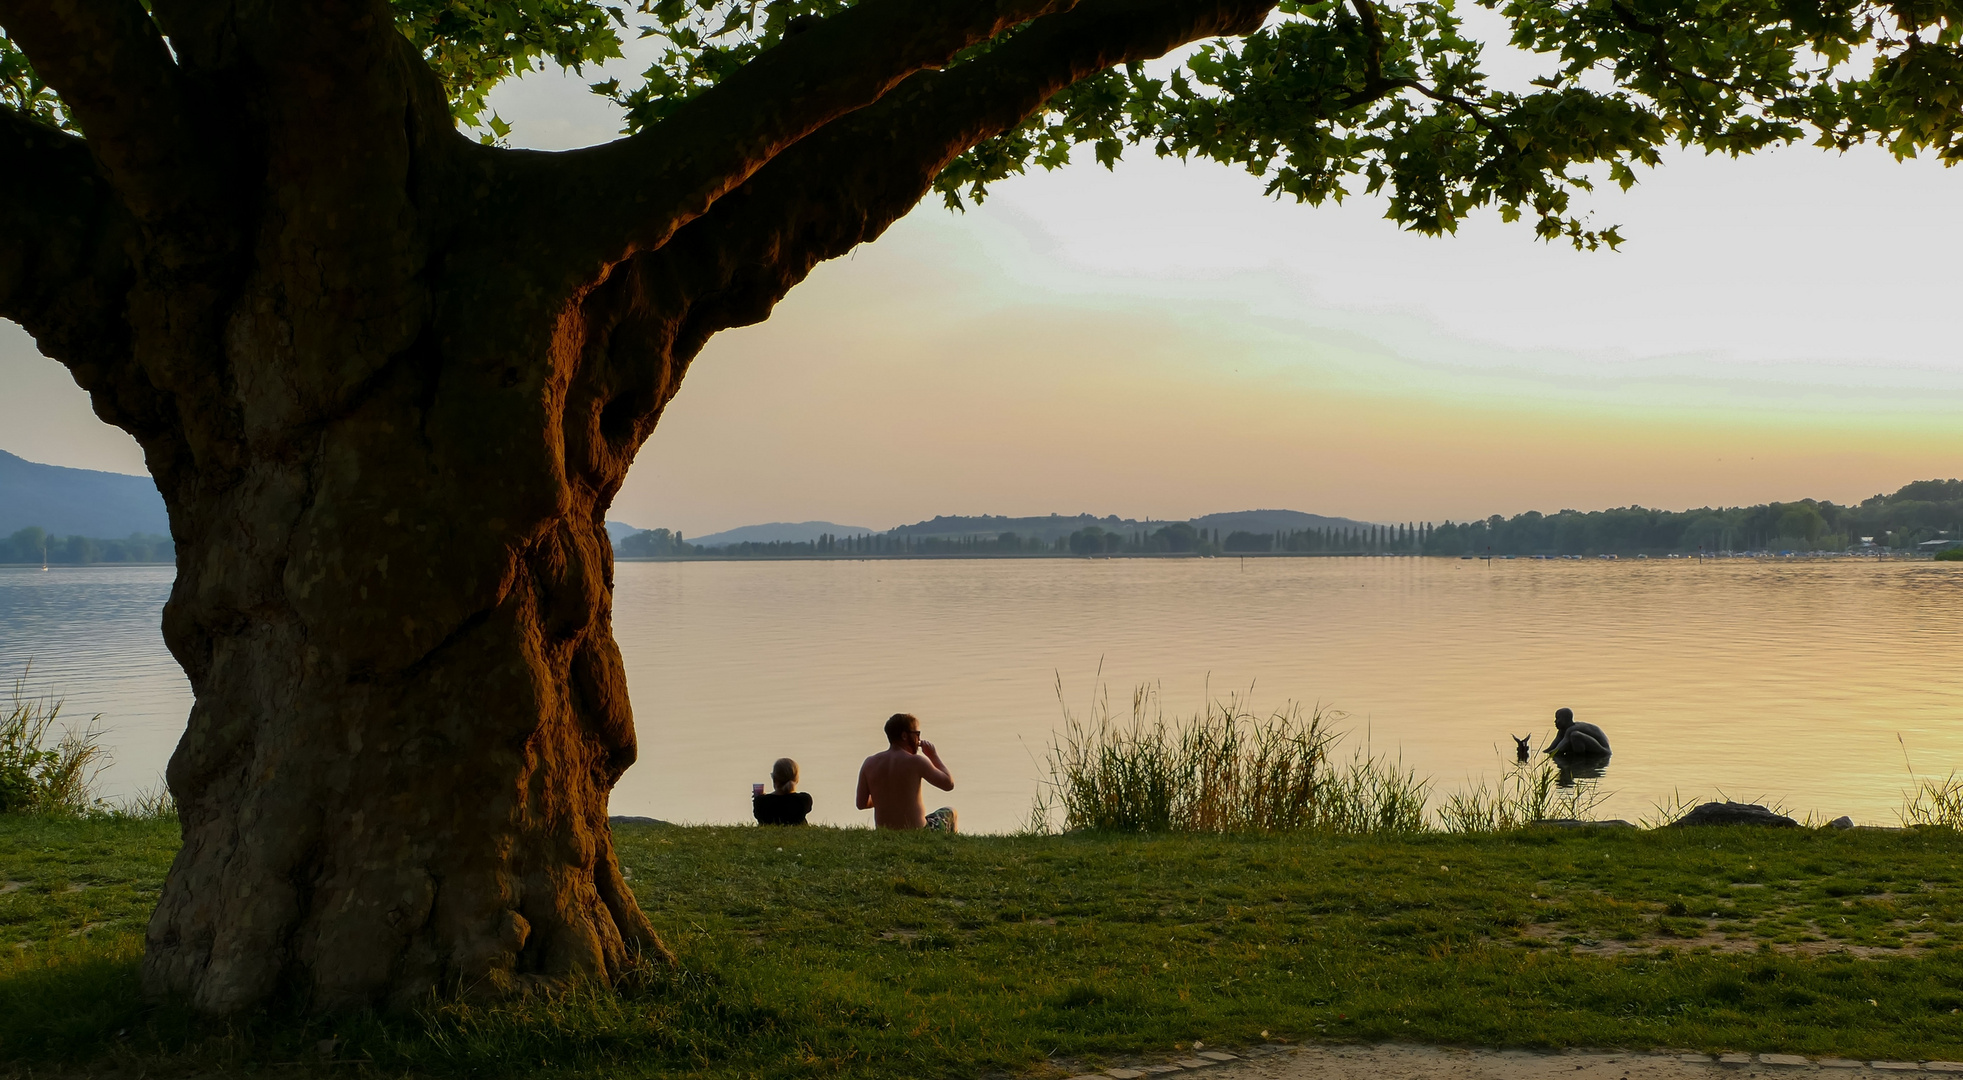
(835, 190)
(201, 32)
(52, 203)
(65, 268)
(846, 185)
(604, 203)
(111, 67)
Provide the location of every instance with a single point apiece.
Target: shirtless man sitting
(889, 781)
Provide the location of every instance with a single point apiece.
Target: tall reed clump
(1931, 801)
(38, 778)
(1225, 770)
(1934, 802)
(1522, 796)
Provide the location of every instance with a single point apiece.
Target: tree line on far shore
(1918, 512)
(1178, 538)
(36, 545)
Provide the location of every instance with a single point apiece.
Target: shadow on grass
(83, 1006)
(70, 1003)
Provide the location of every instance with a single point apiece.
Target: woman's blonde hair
(784, 772)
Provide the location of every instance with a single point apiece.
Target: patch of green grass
(823, 952)
(66, 880)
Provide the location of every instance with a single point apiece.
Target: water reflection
(1582, 773)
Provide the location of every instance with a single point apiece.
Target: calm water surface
(1794, 681)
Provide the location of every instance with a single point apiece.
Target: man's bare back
(889, 781)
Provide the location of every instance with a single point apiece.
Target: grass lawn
(822, 952)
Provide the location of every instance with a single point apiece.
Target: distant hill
(620, 530)
(1050, 527)
(78, 502)
(1056, 526)
(777, 532)
(1267, 521)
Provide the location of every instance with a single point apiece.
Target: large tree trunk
(387, 479)
(395, 776)
(409, 705)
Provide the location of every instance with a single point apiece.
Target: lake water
(1795, 681)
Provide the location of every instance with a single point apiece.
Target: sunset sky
(1163, 341)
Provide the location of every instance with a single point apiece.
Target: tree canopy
(1327, 98)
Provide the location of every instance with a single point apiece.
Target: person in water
(1573, 739)
(785, 805)
(889, 781)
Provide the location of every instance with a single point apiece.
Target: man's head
(903, 731)
(1562, 718)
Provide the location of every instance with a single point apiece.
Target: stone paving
(1275, 1061)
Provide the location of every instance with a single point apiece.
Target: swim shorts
(941, 820)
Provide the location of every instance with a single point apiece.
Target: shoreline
(865, 557)
(1147, 555)
(75, 565)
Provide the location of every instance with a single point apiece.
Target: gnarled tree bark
(389, 381)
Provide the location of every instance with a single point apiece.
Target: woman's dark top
(777, 808)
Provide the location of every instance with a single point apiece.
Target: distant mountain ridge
(1267, 521)
(105, 505)
(1048, 528)
(78, 502)
(1056, 526)
(779, 532)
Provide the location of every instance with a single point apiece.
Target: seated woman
(1577, 740)
(786, 805)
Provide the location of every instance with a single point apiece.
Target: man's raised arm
(933, 770)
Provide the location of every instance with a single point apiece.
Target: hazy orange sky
(1163, 341)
